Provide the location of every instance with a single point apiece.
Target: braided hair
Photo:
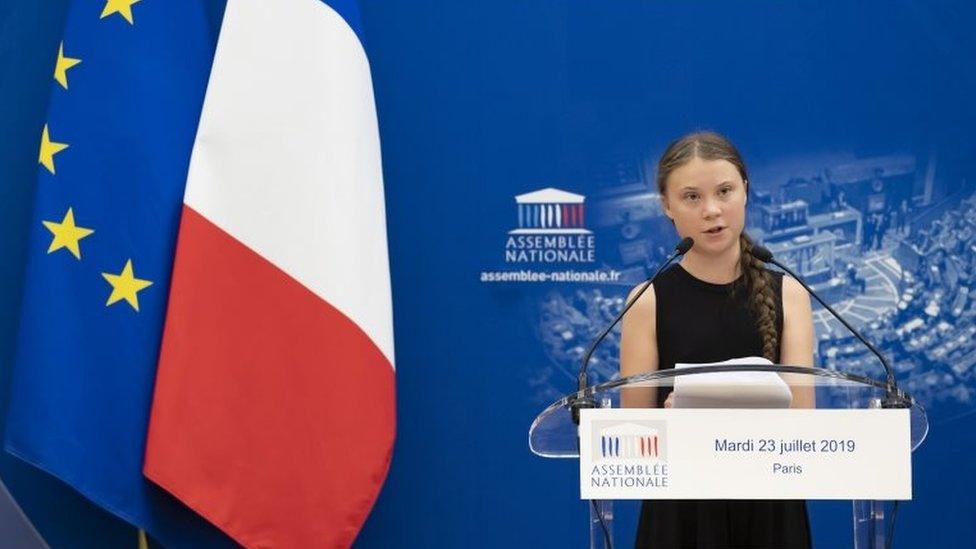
(755, 281)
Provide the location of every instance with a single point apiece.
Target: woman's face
(706, 199)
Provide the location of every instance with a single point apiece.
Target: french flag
(274, 414)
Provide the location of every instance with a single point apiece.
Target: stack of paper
(731, 389)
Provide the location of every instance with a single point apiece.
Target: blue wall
(480, 102)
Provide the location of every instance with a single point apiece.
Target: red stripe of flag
(274, 413)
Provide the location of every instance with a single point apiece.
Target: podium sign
(648, 453)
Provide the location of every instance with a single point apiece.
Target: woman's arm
(638, 348)
(796, 347)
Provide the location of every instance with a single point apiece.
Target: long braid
(762, 300)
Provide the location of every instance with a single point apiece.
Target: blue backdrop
(856, 121)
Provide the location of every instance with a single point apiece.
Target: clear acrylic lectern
(554, 433)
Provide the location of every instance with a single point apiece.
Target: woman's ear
(666, 207)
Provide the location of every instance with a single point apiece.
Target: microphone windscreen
(762, 253)
(685, 245)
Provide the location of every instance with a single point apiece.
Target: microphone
(894, 398)
(587, 402)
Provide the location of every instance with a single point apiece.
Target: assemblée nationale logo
(630, 440)
(629, 454)
(551, 229)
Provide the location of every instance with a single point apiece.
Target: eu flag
(128, 88)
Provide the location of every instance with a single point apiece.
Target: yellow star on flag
(49, 149)
(125, 286)
(66, 234)
(61, 67)
(121, 7)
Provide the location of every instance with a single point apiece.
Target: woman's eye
(691, 197)
(725, 191)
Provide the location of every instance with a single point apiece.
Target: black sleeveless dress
(698, 321)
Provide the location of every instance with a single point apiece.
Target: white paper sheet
(731, 389)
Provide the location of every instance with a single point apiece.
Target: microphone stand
(894, 397)
(579, 401)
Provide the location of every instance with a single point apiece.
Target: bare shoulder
(791, 286)
(794, 294)
(646, 302)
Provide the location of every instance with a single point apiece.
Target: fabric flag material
(127, 90)
(274, 408)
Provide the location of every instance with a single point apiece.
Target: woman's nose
(711, 209)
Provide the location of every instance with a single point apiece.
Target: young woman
(717, 303)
